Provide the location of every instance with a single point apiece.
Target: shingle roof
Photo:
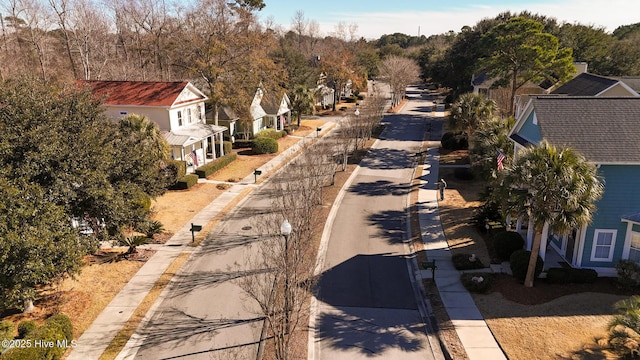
(604, 129)
(139, 93)
(585, 84)
(631, 81)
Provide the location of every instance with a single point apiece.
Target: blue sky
(377, 17)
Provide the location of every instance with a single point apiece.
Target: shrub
(25, 328)
(489, 211)
(178, 167)
(506, 242)
(150, 227)
(628, 274)
(463, 174)
(454, 141)
(264, 145)
(477, 282)
(570, 275)
(52, 331)
(7, 331)
(519, 262)
(217, 164)
(63, 322)
(269, 133)
(227, 146)
(185, 182)
(466, 262)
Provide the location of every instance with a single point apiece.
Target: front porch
(196, 144)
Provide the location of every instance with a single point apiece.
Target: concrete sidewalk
(95, 340)
(476, 338)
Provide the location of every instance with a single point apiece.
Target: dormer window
(179, 118)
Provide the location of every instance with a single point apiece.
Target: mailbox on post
(194, 229)
(256, 172)
(318, 131)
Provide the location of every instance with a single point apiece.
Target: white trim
(597, 232)
(580, 252)
(627, 242)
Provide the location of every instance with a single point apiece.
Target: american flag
(500, 160)
(194, 158)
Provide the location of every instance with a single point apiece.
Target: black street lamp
(285, 230)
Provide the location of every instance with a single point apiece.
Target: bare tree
(399, 72)
(287, 256)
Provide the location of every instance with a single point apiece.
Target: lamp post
(285, 230)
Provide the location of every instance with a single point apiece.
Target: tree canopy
(521, 52)
(62, 158)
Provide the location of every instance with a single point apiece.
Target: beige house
(178, 108)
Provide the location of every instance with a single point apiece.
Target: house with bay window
(605, 130)
(178, 108)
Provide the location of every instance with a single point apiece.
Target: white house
(178, 108)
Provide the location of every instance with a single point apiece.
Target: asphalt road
(366, 301)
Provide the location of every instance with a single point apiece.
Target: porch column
(221, 144)
(519, 224)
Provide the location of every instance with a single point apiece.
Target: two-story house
(178, 108)
(605, 130)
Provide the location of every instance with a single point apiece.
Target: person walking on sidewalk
(441, 186)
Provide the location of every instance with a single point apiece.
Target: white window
(199, 110)
(604, 242)
(179, 118)
(189, 115)
(634, 251)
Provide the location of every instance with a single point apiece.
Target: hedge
(185, 182)
(25, 328)
(519, 263)
(227, 146)
(506, 243)
(269, 133)
(265, 145)
(217, 164)
(570, 275)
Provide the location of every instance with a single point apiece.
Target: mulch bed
(543, 292)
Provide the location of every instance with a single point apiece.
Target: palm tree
(469, 111)
(553, 186)
(489, 137)
(148, 132)
(624, 328)
(303, 100)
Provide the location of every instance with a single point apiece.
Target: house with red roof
(178, 108)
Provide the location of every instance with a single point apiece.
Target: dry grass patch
(456, 210)
(565, 328)
(174, 209)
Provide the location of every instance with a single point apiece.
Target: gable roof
(603, 129)
(144, 93)
(632, 81)
(586, 84)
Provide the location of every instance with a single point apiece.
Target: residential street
(367, 305)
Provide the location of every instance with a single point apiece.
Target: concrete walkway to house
(476, 338)
(95, 340)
